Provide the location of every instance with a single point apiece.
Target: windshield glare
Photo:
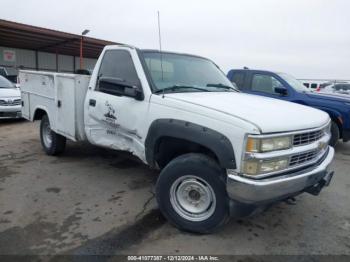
(296, 84)
(184, 70)
(4, 83)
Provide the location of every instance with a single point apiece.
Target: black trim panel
(203, 136)
(346, 135)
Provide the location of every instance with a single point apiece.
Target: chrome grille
(307, 138)
(303, 158)
(10, 102)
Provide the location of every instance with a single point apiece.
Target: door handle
(92, 102)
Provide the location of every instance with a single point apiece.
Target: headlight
(257, 167)
(268, 144)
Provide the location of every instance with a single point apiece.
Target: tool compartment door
(25, 105)
(65, 104)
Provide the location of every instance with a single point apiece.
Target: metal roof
(24, 36)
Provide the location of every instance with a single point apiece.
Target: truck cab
(285, 87)
(219, 152)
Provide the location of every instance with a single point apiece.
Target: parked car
(285, 87)
(10, 99)
(220, 151)
(340, 88)
(5, 73)
(311, 84)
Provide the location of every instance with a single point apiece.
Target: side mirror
(120, 87)
(281, 90)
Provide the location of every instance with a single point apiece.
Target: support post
(81, 53)
(56, 60)
(36, 60)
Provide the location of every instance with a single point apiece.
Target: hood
(331, 97)
(9, 92)
(268, 114)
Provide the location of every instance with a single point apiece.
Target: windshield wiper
(219, 85)
(177, 87)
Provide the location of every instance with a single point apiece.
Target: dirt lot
(96, 201)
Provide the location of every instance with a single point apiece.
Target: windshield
(185, 73)
(4, 83)
(296, 84)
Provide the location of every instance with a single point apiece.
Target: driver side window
(265, 83)
(118, 64)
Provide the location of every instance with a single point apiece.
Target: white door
(114, 119)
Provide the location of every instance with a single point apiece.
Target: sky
(306, 38)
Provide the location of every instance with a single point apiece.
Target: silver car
(10, 99)
(338, 88)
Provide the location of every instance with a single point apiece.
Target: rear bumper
(268, 190)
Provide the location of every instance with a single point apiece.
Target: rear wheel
(191, 193)
(52, 143)
(335, 134)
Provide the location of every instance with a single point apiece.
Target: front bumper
(10, 111)
(263, 191)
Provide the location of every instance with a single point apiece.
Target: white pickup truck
(220, 152)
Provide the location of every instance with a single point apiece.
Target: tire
(196, 176)
(335, 134)
(53, 144)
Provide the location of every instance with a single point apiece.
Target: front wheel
(52, 143)
(191, 193)
(335, 134)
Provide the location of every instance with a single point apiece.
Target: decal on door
(113, 128)
(110, 111)
(110, 119)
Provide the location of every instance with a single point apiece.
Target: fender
(333, 113)
(201, 135)
(39, 107)
(45, 109)
(330, 111)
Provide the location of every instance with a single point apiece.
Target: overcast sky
(306, 38)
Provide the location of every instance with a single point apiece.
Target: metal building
(30, 47)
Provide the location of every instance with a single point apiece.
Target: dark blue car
(285, 87)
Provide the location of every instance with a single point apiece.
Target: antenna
(160, 46)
